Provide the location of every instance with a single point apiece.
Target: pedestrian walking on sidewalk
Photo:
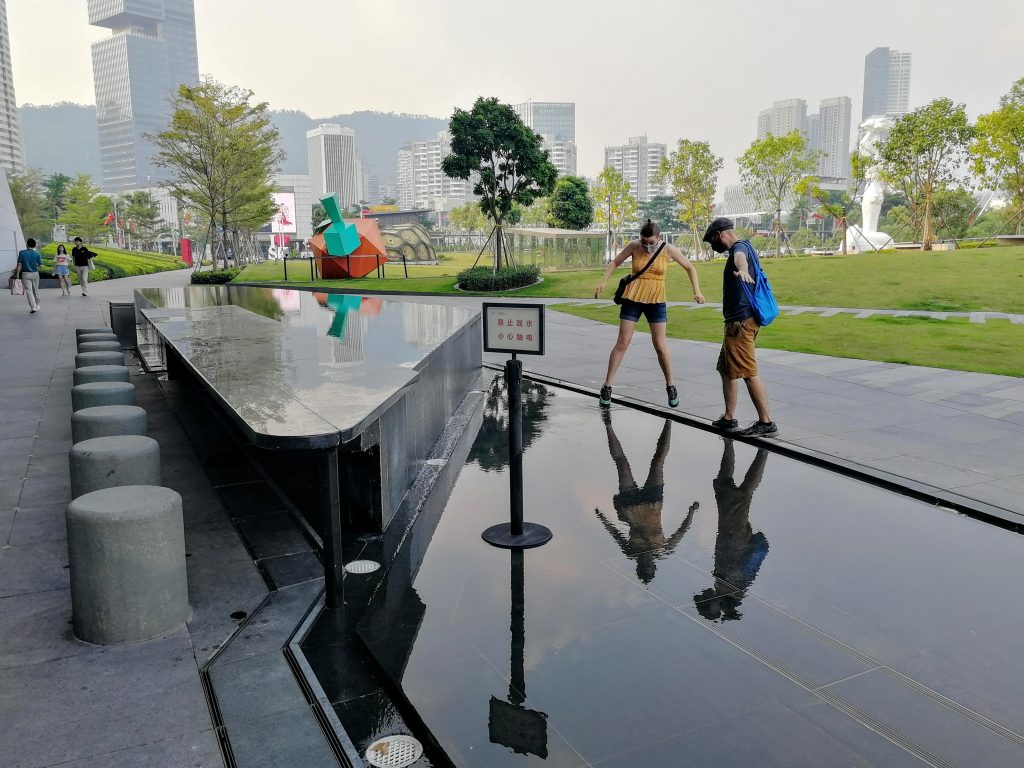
(645, 296)
(82, 257)
(60, 268)
(738, 360)
(27, 271)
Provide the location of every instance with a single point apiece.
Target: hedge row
(505, 279)
(112, 262)
(214, 278)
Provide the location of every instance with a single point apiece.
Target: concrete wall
(11, 238)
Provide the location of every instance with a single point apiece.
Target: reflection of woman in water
(739, 551)
(640, 508)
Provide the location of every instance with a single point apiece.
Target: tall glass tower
(136, 71)
(886, 83)
(12, 158)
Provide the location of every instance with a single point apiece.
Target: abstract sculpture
(347, 249)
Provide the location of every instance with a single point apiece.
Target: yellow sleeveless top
(649, 288)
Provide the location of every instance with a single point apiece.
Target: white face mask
(650, 247)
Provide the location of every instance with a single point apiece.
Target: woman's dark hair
(62, 249)
(650, 229)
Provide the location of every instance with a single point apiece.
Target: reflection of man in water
(640, 508)
(739, 551)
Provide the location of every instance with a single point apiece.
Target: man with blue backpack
(747, 305)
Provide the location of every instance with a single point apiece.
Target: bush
(214, 278)
(505, 279)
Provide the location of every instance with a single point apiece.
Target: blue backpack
(762, 300)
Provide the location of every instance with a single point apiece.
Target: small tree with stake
(507, 160)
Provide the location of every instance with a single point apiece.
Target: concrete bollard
(95, 337)
(99, 346)
(109, 462)
(126, 548)
(102, 393)
(82, 359)
(83, 331)
(92, 373)
(107, 421)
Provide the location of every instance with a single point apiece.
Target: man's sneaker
(725, 425)
(761, 429)
(673, 396)
(605, 399)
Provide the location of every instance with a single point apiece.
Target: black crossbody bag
(631, 277)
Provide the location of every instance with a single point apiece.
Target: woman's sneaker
(605, 399)
(673, 396)
(725, 425)
(761, 429)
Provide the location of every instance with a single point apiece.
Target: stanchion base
(533, 535)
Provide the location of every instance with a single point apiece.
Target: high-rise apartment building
(639, 162)
(421, 181)
(333, 168)
(833, 137)
(12, 156)
(151, 51)
(556, 123)
(783, 117)
(886, 83)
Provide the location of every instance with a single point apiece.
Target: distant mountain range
(62, 138)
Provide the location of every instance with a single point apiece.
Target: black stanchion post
(514, 380)
(285, 260)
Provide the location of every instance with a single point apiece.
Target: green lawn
(983, 279)
(113, 262)
(993, 347)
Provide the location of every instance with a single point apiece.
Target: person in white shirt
(60, 268)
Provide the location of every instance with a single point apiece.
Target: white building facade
(422, 183)
(639, 162)
(333, 167)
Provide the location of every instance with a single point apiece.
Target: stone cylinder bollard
(83, 331)
(102, 393)
(93, 373)
(126, 548)
(83, 359)
(99, 346)
(107, 421)
(109, 462)
(84, 337)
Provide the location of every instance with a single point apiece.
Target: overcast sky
(668, 68)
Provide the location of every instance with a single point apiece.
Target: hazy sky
(668, 68)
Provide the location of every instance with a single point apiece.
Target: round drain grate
(362, 566)
(394, 752)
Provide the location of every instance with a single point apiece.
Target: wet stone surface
(702, 603)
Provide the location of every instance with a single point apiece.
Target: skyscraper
(833, 137)
(333, 168)
(151, 51)
(783, 117)
(421, 181)
(639, 162)
(12, 156)
(556, 123)
(886, 83)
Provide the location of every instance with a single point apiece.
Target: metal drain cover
(394, 751)
(361, 567)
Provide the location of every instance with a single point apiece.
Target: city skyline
(716, 100)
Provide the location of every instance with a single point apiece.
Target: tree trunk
(224, 236)
(926, 233)
(844, 226)
(498, 240)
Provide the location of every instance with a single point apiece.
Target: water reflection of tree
(490, 450)
(739, 552)
(639, 508)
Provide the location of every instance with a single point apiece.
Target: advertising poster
(284, 220)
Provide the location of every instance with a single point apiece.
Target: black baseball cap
(718, 225)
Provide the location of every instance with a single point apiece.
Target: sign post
(517, 329)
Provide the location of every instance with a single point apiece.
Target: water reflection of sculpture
(739, 552)
(640, 508)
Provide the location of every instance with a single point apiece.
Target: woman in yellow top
(645, 295)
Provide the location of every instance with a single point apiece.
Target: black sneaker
(673, 396)
(605, 399)
(761, 429)
(725, 425)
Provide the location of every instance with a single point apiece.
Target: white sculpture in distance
(866, 237)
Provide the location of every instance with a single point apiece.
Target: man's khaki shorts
(737, 359)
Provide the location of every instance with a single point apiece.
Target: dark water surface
(702, 603)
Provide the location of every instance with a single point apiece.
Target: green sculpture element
(340, 238)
